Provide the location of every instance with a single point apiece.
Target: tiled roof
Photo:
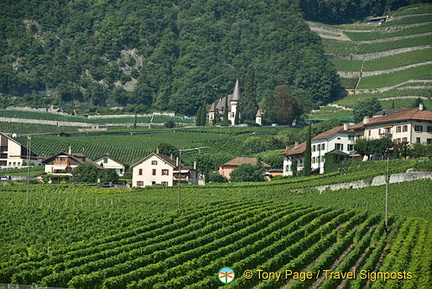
(241, 160)
(404, 115)
(332, 132)
(300, 149)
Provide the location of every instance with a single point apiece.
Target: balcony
(386, 135)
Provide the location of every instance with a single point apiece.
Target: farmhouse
(108, 162)
(63, 163)
(14, 155)
(228, 167)
(156, 169)
(338, 140)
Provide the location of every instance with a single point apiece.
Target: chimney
(421, 106)
(345, 126)
(296, 144)
(157, 150)
(70, 150)
(195, 165)
(365, 120)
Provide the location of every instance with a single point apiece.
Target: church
(218, 108)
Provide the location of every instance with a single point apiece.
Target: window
(379, 131)
(339, 146)
(140, 183)
(398, 140)
(398, 129)
(351, 137)
(313, 148)
(405, 139)
(313, 160)
(429, 129)
(417, 140)
(350, 147)
(288, 168)
(405, 128)
(418, 128)
(154, 163)
(105, 160)
(140, 172)
(429, 141)
(369, 132)
(153, 172)
(164, 184)
(323, 147)
(322, 159)
(165, 172)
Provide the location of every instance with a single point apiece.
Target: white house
(14, 155)
(411, 126)
(339, 139)
(108, 162)
(157, 169)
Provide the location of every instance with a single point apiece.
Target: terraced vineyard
(84, 237)
(391, 61)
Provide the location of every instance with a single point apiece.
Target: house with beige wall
(159, 170)
(411, 126)
(108, 162)
(14, 155)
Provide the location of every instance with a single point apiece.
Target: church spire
(236, 93)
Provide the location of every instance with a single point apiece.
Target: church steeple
(236, 96)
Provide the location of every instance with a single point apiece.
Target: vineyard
(89, 237)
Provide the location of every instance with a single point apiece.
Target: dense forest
(166, 55)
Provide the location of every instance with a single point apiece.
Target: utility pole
(28, 168)
(179, 171)
(387, 192)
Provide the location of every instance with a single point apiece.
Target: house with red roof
(339, 140)
(227, 168)
(407, 125)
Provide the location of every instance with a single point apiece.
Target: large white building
(14, 155)
(156, 169)
(410, 126)
(339, 139)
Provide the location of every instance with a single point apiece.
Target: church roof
(219, 105)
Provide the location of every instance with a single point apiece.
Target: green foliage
(366, 108)
(248, 173)
(286, 105)
(168, 150)
(424, 165)
(107, 176)
(294, 168)
(248, 105)
(85, 173)
(374, 146)
(215, 177)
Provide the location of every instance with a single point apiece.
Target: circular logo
(226, 275)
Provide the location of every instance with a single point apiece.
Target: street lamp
(179, 171)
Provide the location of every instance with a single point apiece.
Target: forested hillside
(163, 55)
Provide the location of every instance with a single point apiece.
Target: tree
(308, 153)
(85, 173)
(248, 173)
(169, 124)
(108, 176)
(286, 105)
(294, 167)
(366, 108)
(417, 103)
(203, 115)
(374, 146)
(198, 120)
(168, 150)
(225, 120)
(249, 106)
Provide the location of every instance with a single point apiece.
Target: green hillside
(155, 55)
(391, 61)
